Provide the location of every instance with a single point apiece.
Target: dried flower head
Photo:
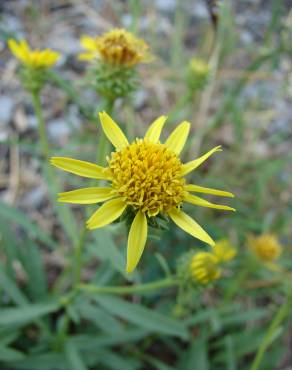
(145, 176)
(117, 47)
(266, 247)
(204, 267)
(35, 59)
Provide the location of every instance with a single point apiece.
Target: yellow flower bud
(204, 267)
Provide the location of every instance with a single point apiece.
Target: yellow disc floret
(148, 176)
(117, 47)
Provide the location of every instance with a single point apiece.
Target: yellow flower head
(204, 267)
(266, 247)
(33, 58)
(145, 175)
(224, 251)
(199, 67)
(117, 47)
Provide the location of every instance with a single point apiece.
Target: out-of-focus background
(246, 107)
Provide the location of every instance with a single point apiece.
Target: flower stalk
(131, 289)
(36, 101)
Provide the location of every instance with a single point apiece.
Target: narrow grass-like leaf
(32, 262)
(100, 318)
(46, 361)
(142, 316)
(12, 290)
(23, 315)
(16, 216)
(73, 356)
(10, 354)
(197, 356)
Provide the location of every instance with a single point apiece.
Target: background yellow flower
(266, 247)
(33, 58)
(117, 47)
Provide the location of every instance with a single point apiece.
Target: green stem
(78, 257)
(41, 124)
(140, 288)
(101, 154)
(280, 316)
(104, 144)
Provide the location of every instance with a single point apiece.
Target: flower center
(121, 48)
(148, 176)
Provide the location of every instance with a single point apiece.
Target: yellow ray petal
(87, 195)
(136, 240)
(86, 56)
(204, 203)
(80, 168)
(178, 137)
(201, 189)
(107, 213)
(19, 50)
(88, 42)
(192, 165)
(113, 131)
(154, 131)
(190, 226)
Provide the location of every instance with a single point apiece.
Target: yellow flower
(204, 267)
(146, 176)
(117, 47)
(33, 58)
(224, 251)
(266, 247)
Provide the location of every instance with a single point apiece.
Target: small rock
(6, 109)
(58, 130)
(34, 197)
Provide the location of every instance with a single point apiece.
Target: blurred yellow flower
(198, 74)
(199, 66)
(145, 175)
(266, 247)
(224, 251)
(33, 58)
(117, 47)
(204, 267)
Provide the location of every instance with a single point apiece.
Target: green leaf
(245, 316)
(230, 355)
(197, 355)
(16, 216)
(25, 314)
(47, 361)
(142, 316)
(158, 364)
(63, 211)
(32, 262)
(9, 354)
(100, 318)
(73, 357)
(106, 249)
(10, 245)
(11, 289)
(129, 335)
